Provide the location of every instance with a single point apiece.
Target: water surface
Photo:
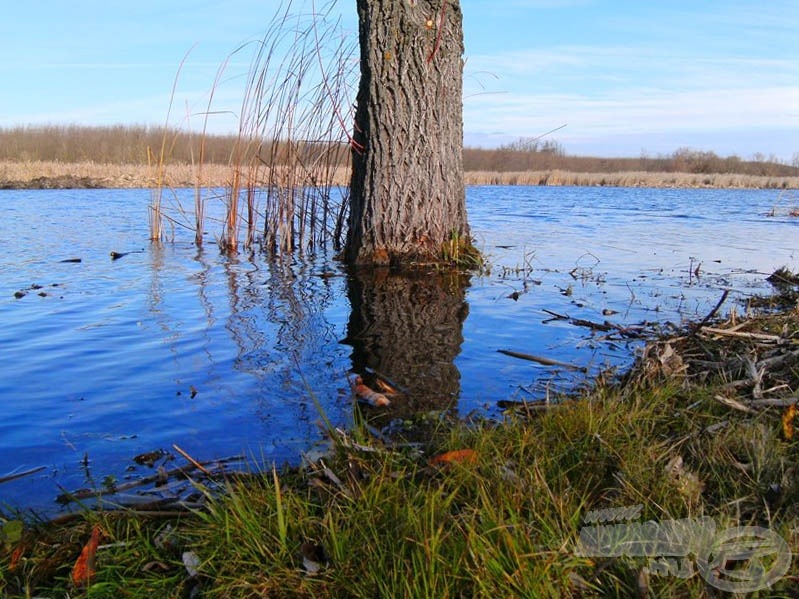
(106, 359)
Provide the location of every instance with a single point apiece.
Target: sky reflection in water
(102, 366)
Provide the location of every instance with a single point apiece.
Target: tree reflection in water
(408, 327)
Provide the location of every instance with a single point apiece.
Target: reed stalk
(290, 143)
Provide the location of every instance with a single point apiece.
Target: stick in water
(191, 460)
(541, 360)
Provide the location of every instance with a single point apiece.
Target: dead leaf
(369, 396)
(16, 556)
(385, 387)
(155, 566)
(83, 570)
(671, 363)
(462, 456)
(687, 482)
(787, 421)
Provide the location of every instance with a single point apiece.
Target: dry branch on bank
(754, 362)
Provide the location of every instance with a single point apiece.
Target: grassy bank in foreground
(700, 428)
(44, 175)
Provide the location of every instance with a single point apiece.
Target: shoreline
(496, 513)
(92, 175)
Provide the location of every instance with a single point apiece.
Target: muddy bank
(58, 182)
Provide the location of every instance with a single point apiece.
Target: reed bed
(215, 175)
(291, 147)
(632, 179)
(110, 175)
(131, 144)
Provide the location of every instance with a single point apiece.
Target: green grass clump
(383, 522)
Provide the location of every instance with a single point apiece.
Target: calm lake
(104, 360)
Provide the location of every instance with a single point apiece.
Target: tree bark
(407, 192)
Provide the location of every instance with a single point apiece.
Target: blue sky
(624, 77)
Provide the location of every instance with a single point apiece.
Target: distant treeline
(531, 155)
(119, 144)
(124, 144)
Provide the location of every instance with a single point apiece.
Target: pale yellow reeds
(631, 179)
(110, 175)
(220, 175)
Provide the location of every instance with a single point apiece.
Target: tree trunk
(407, 192)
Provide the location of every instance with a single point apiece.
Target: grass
(377, 520)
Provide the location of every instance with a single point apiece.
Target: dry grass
(631, 179)
(21, 174)
(106, 175)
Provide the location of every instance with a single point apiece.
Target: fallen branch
(773, 402)
(777, 360)
(753, 336)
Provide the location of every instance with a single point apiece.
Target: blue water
(100, 363)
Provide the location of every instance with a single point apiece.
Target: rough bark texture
(407, 191)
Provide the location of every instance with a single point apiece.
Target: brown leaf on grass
(16, 556)
(83, 570)
(787, 421)
(461, 456)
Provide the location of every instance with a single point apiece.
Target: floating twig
(10, 477)
(596, 326)
(555, 315)
(157, 478)
(541, 360)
